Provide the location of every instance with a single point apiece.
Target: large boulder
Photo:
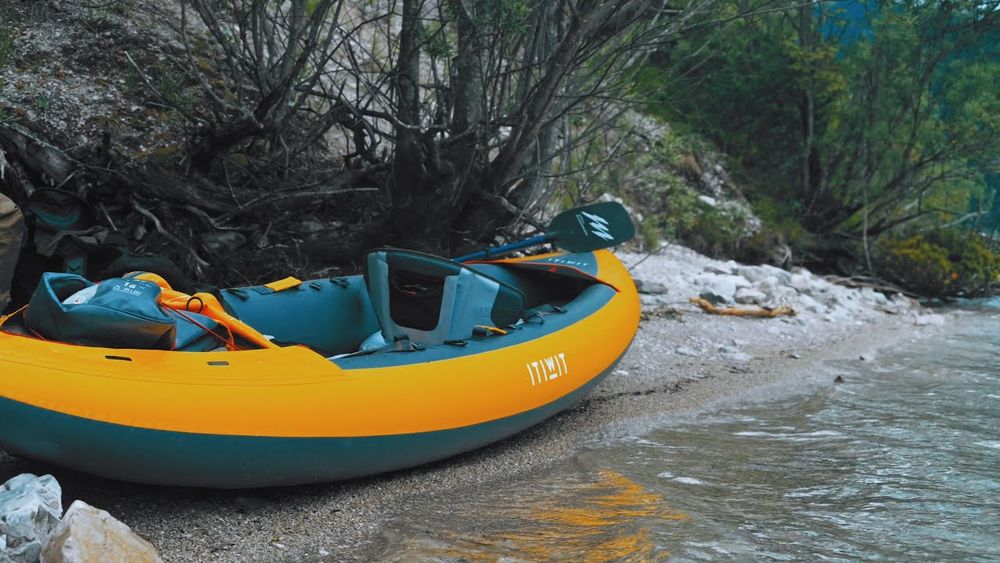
(650, 287)
(91, 534)
(750, 296)
(30, 507)
(754, 274)
(720, 288)
(809, 304)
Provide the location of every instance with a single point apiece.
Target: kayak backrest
(428, 299)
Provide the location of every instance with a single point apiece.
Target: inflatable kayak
(419, 359)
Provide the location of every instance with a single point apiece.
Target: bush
(780, 235)
(939, 264)
(6, 40)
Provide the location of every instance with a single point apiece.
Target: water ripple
(901, 462)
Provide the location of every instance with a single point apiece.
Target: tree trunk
(409, 177)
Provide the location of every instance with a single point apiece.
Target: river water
(901, 461)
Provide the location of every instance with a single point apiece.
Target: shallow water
(901, 461)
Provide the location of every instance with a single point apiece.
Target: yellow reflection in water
(610, 518)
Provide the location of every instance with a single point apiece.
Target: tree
(472, 101)
(855, 117)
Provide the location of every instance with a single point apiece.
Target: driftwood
(759, 312)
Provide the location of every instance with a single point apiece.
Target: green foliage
(436, 41)
(714, 231)
(6, 36)
(781, 230)
(781, 217)
(509, 14)
(859, 123)
(6, 45)
(944, 263)
(677, 212)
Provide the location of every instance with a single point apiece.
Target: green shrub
(6, 36)
(939, 263)
(780, 235)
(715, 232)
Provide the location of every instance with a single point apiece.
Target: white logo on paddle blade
(598, 226)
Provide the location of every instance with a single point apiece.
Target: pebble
(685, 351)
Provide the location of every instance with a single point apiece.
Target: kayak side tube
(289, 416)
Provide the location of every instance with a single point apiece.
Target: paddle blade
(599, 225)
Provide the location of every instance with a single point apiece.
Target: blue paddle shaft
(533, 241)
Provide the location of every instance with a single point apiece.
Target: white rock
(801, 283)
(718, 269)
(30, 508)
(738, 356)
(839, 315)
(755, 274)
(929, 320)
(89, 534)
(767, 284)
(833, 295)
(652, 302)
(720, 288)
(872, 296)
(685, 351)
(650, 287)
(782, 275)
(781, 296)
(749, 296)
(807, 303)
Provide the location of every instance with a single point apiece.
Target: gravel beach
(682, 361)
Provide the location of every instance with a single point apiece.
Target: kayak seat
(429, 300)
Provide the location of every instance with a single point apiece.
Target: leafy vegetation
(848, 120)
(939, 264)
(847, 127)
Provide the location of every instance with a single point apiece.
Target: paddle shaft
(533, 241)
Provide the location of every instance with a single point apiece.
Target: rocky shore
(682, 361)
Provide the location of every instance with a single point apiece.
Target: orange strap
(208, 305)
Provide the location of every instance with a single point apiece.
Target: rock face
(30, 508)
(89, 534)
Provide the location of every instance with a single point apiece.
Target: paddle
(582, 229)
